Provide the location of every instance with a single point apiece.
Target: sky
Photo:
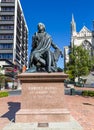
(57, 15)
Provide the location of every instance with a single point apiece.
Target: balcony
(6, 41)
(7, 4)
(18, 46)
(7, 22)
(18, 38)
(4, 51)
(6, 31)
(18, 29)
(17, 56)
(6, 13)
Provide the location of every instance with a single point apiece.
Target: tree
(80, 63)
(2, 77)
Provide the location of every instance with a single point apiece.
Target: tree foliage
(2, 77)
(80, 63)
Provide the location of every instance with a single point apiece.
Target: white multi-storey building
(13, 33)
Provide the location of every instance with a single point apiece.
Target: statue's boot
(31, 70)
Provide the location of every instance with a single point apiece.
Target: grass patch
(3, 94)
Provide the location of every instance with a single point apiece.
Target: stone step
(71, 125)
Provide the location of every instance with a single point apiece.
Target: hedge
(3, 94)
(88, 93)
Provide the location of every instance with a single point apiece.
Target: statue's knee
(36, 56)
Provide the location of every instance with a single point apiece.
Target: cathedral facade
(84, 37)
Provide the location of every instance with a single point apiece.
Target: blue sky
(56, 15)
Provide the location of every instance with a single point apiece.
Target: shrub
(88, 93)
(85, 93)
(3, 94)
(91, 93)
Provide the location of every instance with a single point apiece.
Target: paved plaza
(81, 108)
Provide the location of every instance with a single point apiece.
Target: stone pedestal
(42, 98)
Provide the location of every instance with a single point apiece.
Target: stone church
(84, 37)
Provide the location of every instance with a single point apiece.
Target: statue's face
(41, 27)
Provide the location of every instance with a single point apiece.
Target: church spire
(73, 31)
(73, 18)
(73, 25)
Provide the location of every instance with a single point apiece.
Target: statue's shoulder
(47, 35)
(35, 34)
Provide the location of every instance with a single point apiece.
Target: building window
(6, 46)
(6, 9)
(6, 37)
(87, 45)
(6, 56)
(6, 18)
(6, 27)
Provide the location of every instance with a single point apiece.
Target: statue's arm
(56, 47)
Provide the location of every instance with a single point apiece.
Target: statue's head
(41, 27)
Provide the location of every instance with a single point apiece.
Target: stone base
(71, 125)
(42, 98)
(42, 115)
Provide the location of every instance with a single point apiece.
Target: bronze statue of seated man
(41, 57)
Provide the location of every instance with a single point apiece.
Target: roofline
(86, 28)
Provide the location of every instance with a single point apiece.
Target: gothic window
(87, 45)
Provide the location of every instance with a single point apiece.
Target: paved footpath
(81, 108)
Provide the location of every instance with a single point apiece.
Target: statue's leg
(53, 63)
(48, 61)
(38, 58)
(31, 58)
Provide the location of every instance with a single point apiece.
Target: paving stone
(77, 105)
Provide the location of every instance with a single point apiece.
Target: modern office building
(13, 33)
